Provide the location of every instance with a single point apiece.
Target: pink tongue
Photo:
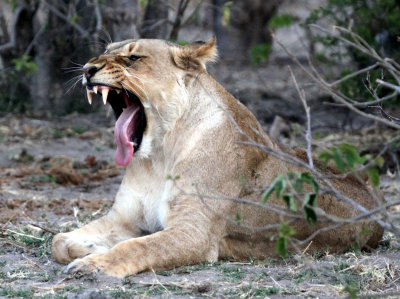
(122, 133)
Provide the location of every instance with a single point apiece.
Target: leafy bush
(378, 23)
(259, 53)
(14, 82)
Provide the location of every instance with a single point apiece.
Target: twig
(336, 95)
(308, 125)
(396, 88)
(354, 74)
(11, 44)
(380, 295)
(153, 24)
(308, 246)
(44, 228)
(32, 43)
(99, 17)
(32, 262)
(59, 14)
(25, 235)
(362, 47)
(387, 115)
(178, 19)
(185, 22)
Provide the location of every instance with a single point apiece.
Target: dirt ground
(59, 174)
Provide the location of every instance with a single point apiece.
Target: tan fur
(158, 224)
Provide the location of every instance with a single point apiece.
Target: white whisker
(77, 79)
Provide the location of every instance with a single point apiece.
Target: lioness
(174, 119)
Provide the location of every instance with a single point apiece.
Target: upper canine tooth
(95, 89)
(89, 96)
(104, 93)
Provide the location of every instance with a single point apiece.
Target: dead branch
(396, 88)
(153, 24)
(32, 43)
(308, 125)
(178, 19)
(195, 10)
(59, 14)
(12, 43)
(354, 74)
(99, 17)
(335, 94)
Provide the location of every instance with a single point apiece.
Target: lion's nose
(90, 71)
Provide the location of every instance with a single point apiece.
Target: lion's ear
(194, 56)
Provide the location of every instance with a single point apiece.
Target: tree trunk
(155, 22)
(248, 26)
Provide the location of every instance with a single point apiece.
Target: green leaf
(259, 53)
(281, 247)
(280, 185)
(280, 21)
(285, 232)
(310, 201)
(373, 175)
(298, 185)
(338, 160)
(325, 157)
(379, 161)
(238, 217)
(182, 42)
(351, 290)
(291, 175)
(308, 178)
(267, 193)
(173, 178)
(289, 199)
(351, 155)
(310, 215)
(226, 13)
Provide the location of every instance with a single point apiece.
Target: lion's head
(146, 83)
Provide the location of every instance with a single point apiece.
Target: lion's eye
(133, 57)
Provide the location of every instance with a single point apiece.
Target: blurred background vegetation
(43, 43)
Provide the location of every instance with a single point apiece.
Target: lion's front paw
(96, 263)
(67, 247)
(86, 265)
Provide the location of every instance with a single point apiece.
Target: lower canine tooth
(89, 96)
(104, 93)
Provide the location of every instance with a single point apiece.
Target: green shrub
(14, 83)
(378, 23)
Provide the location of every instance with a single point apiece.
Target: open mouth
(131, 119)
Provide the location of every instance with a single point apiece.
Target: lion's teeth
(118, 91)
(104, 93)
(95, 89)
(89, 96)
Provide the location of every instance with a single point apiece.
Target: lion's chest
(143, 201)
(155, 207)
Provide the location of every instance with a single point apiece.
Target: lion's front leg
(96, 237)
(186, 244)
